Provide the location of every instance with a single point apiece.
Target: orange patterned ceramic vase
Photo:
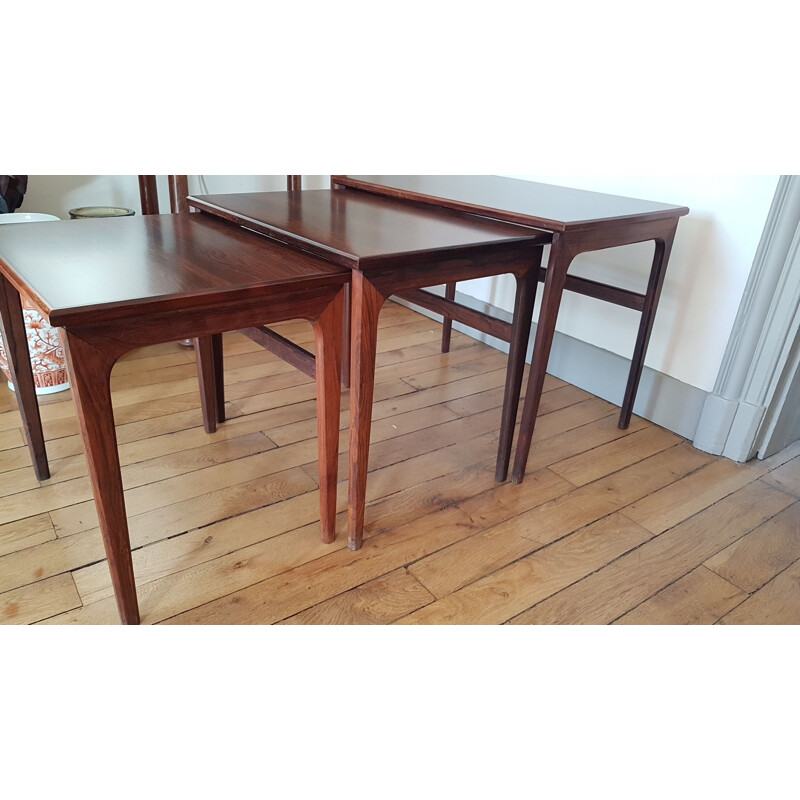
(44, 342)
(47, 353)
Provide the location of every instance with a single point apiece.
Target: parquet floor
(610, 526)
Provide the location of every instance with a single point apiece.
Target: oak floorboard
(758, 557)
(182, 470)
(449, 570)
(377, 602)
(593, 464)
(499, 596)
(698, 598)
(625, 583)
(21, 534)
(775, 603)
(786, 477)
(297, 589)
(75, 552)
(38, 601)
(673, 504)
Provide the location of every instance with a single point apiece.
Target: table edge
(503, 215)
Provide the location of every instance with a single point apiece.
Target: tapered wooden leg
(90, 370)
(447, 323)
(345, 371)
(15, 337)
(204, 351)
(219, 375)
(520, 333)
(366, 304)
(328, 336)
(655, 284)
(557, 267)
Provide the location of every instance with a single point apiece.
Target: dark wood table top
(553, 208)
(88, 271)
(363, 231)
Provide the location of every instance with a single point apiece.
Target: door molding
(760, 359)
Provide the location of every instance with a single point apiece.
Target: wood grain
(377, 602)
(786, 478)
(758, 557)
(507, 591)
(38, 601)
(28, 532)
(613, 590)
(677, 502)
(776, 603)
(699, 598)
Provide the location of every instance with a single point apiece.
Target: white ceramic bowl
(6, 219)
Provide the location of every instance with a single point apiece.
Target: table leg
(328, 337)
(447, 323)
(219, 375)
(90, 371)
(345, 371)
(655, 284)
(557, 266)
(523, 317)
(208, 379)
(15, 337)
(366, 304)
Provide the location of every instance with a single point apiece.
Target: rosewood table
(391, 247)
(118, 284)
(579, 222)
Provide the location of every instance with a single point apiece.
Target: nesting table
(578, 222)
(118, 284)
(391, 246)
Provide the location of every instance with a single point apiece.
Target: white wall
(57, 194)
(710, 263)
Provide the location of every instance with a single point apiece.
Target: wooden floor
(610, 526)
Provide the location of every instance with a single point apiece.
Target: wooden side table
(392, 247)
(117, 284)
(579, 222)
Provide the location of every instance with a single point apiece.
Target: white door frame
(762, 360)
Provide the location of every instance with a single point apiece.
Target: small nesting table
(118, 284)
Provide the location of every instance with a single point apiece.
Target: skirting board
(661, 399)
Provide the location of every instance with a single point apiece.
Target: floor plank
(776, 603)
(38, 601)
(623, 584)
(699, 598)
(758, 557)
(508, 591)
(673, 504)
(377, 602)
(787, 477)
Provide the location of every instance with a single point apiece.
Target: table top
(363, 231)
(93, 270)
(552, 208)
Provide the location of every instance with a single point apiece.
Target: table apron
(119, 336)
(389, 280)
